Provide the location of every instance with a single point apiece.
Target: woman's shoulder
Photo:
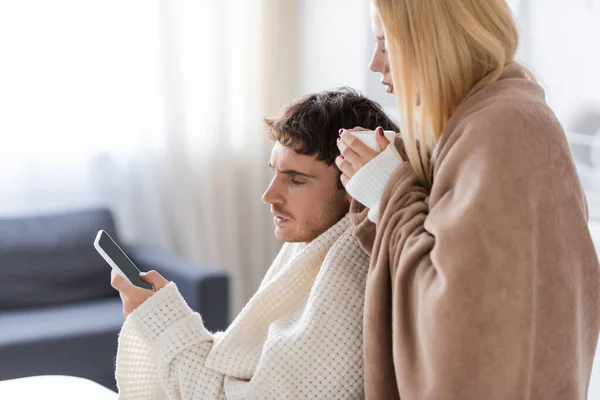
(507, 120)
(508, 138)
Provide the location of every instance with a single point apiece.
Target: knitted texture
(300, 336)
(369, 182)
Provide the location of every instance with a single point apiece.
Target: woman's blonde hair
(439, 50)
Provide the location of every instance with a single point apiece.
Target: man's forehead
(283, 157)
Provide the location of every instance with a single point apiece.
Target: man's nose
(271, 195)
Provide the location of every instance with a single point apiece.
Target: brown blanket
(487, 285)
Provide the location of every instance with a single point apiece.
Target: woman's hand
(354, 153)
(133, 296)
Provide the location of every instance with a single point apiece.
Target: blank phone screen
(123, 262)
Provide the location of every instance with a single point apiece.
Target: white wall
(335, 48)
(333, 44)
(562, 43)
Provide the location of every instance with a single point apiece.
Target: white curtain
(153, 108)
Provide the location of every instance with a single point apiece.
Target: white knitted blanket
(299, 337)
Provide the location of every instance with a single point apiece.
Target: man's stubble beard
(336, 209)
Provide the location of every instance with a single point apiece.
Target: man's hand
(133, 296)
(354, 153)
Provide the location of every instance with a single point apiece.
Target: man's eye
(296, 182)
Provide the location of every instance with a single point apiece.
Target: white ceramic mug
(369, 138)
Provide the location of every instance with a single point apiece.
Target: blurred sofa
(58, 312)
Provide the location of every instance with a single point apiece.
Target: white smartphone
(118, 260)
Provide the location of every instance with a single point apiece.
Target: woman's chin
(389, 89)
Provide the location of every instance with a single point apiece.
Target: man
(300, 336)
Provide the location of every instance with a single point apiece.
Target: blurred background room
(145, 118)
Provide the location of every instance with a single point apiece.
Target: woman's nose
(373, 64)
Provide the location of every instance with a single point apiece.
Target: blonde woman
(484, 282)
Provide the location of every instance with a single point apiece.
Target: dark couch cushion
(74, 339)
(50, 259)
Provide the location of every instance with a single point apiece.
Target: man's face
(304, 195)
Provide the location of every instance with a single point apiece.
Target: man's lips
(279, 221)
(279, 218)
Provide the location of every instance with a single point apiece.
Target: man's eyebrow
(381, 37)
(293, 172)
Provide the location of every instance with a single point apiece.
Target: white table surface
(54, 387)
